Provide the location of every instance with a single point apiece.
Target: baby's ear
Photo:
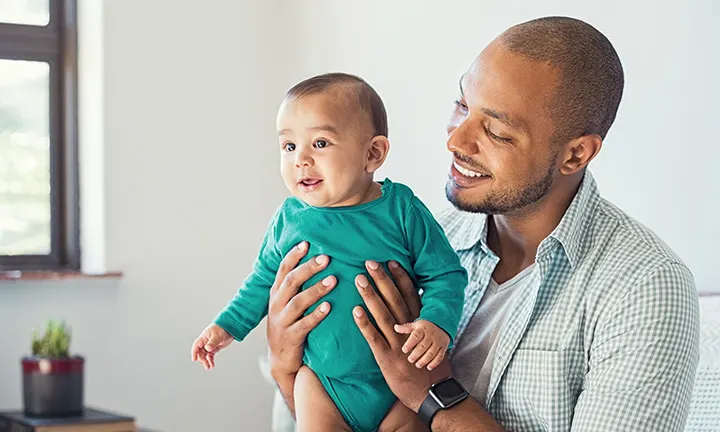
(378, 151)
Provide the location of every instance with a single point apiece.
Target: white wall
(191, 171)
(659, 160)
(190, 182)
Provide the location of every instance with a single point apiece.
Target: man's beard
(508, 201)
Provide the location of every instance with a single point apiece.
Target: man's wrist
(415, 404)
(441, 396)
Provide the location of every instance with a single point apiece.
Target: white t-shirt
(472, 358)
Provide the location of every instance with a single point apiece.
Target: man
(576, 316)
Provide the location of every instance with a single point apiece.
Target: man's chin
(456, 197)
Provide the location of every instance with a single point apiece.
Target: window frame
(55, 44)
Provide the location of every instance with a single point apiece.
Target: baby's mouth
(309, 183)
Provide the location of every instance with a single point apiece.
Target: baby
(333, 137)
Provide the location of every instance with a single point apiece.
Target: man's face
(500, 134)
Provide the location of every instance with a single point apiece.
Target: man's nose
(464, 137)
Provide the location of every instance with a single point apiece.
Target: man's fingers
(429, 355)
(415, 337)
(388, 292)
(437, 360)
(377, 343)
(295, 278)
(407, 289)
(297, 305)
(289, 262)
(309, 322)
(377, 309)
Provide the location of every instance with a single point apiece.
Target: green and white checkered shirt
(604, 338)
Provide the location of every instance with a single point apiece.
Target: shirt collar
(569, 233)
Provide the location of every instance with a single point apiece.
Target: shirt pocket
(540, 389)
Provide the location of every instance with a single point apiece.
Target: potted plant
(52, 379)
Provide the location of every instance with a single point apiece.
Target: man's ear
(377, 152)
(579, 152)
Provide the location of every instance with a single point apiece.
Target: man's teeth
(466, 172)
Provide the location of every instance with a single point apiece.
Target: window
(38, 135)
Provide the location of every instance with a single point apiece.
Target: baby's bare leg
(314, 409)
(401, 419)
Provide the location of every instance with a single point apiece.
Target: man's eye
(289, 147)
(321, 143)
(497, 137)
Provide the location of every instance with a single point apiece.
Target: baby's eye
(289, 147)
(321, 143)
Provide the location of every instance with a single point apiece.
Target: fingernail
(322, 259)
(373, 265)
(302, 246)
(393, 264)
(324, 307)
(357, 312)
(430, 368)
(362, 282)
(327, 281)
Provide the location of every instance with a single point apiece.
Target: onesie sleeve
(437, 267)
(249, 305)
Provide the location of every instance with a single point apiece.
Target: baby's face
(324, 153)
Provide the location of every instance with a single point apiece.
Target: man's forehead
(508, 82)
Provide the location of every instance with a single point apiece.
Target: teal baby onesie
(397, 226)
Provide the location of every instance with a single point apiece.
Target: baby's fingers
(404, 328)
(415, 337)
(422, 347)
(427, 357)
(437, 360)
(210, 360)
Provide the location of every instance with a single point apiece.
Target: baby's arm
(249, 305)
(437, 268)
(427, 341)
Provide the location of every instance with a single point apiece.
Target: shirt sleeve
(437, 269)
(250, 303)
(643, 357)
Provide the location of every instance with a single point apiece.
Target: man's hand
(287, 328)
(394, 304)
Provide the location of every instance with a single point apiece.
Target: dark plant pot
(53, 387)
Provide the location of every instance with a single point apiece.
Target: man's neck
(515, 237)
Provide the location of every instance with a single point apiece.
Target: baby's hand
(429, 341)
(211, 340)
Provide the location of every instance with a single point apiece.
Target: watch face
(449, 392)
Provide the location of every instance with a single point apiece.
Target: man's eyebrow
(500, 116)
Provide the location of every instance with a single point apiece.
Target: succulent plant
(54, 343)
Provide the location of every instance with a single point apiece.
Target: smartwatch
(442, 395)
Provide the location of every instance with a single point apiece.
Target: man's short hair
(590, 86)
(357, 92)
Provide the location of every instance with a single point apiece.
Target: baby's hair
(357, 92)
